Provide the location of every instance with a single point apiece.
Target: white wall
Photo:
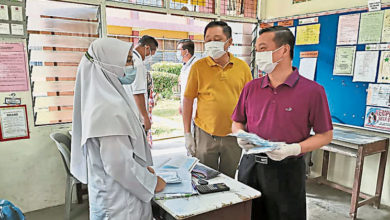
(32, 174)
(341, 168)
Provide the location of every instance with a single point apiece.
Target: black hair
(148, 40)
(188, 44)
(283, 35)
(227, 30)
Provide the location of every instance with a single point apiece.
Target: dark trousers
(281, 183)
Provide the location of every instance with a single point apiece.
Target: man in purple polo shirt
(282, 106)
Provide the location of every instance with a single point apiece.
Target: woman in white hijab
(109, 148)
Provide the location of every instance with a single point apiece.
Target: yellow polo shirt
(217, 90)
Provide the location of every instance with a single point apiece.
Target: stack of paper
(177, 173)
(263, 145)
(180, 162)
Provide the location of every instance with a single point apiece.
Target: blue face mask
(129, 77)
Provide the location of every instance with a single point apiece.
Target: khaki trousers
(219, 153)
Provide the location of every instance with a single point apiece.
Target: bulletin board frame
(346, 99)
(24, 108)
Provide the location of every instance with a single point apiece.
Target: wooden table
(230, 205)
(357, 145)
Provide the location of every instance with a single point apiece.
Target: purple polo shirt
(286, 113)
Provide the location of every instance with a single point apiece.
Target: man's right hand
(180, 111)
(147, 124)
(244, 144)
(160, 185)
(190, 143)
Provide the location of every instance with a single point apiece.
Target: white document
(307, 67)
(348, 29)
(16, 13)
(292, 29)
(384, 68)
(17, 29)
(13, 122)
(308, 20)
(378, 95)
(4, 28)
(4, 12)
(344, 60)
(374, 5)
(366, 63)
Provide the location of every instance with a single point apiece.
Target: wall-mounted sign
(13, 123)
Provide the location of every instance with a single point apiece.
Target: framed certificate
(13, 123)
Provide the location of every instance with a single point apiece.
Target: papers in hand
(261, 144)
(169, 176)
(176, 171)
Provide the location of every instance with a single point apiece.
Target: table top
(353, 137)
(182, 208)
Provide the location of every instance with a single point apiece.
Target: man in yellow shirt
(216, 81)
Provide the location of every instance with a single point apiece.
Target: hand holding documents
(261, 145)
(176, 172)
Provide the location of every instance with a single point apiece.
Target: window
(59, 35)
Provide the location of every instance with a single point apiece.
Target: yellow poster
(308, 34)
(181, 1)
(198, 2)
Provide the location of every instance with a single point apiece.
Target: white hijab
(102, 107)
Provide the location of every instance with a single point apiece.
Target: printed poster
(384, 68)
(377, 118)
(378, 95)
(308, 34)
(365, 66)
(348, 29)
(371, 27)
(344, 61)
(386, 27)
(13, 72)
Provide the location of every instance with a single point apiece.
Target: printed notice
(378, 118)
(344, 60)
(384, 68)
(348, 29)
(365, 66)
(13, 73)
(386, 27)
(308, 34)
(13, 122)
(371, 27)
(379, 95)
(4, 12)
(4, 28)
(16, 13)
(307, 67)
(17, 29)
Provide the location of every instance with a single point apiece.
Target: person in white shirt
(185, 54)
(109, 148)
(142, 54)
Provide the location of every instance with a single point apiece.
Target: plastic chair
(63, 143)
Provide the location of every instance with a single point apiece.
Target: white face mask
(148, 59)
(215, 49)
(179, 57)
(264, 61)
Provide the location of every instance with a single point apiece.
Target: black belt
(262, 158)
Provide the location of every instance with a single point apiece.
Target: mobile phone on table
(211, 188)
